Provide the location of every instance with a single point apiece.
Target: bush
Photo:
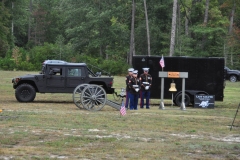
(21, 59)
(115, 67)
(111, 66)
(26, 66)
(7, 64)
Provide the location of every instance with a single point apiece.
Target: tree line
(106, 33)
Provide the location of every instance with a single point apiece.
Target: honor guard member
(146, 82)
(128, 77)
(134, 84)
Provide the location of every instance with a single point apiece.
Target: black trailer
(205, 76)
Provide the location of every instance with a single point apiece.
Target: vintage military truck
(58, 77)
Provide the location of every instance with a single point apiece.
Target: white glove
(137, 89)
(147, 87)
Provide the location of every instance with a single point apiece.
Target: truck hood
(15, 80)
(29, 76)
(235, 71)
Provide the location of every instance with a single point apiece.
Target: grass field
(52, 127)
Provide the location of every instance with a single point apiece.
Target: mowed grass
(52, 127)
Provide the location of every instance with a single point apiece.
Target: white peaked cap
(130, 69)
(146, 69)
(135, 72)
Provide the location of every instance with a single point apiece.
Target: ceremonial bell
(172, 87)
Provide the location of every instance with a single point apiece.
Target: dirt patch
(229, 138)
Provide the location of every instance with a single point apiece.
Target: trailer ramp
(113, 104)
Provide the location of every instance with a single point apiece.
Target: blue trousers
(143, 95)
(133, 101)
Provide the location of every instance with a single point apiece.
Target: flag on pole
(122, 109)
(161, 62)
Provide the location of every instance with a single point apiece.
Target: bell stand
(182, 75)
(174, 89)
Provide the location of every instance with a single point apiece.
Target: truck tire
(178, 100)
(25, 93)
(233, 78)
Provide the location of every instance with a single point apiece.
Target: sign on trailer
(204, 101)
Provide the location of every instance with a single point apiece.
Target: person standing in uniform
(128, 77)
(146, 82)
(134, 84)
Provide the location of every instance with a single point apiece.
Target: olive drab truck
(58, 76)
(205, 76)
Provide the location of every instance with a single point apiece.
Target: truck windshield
(90, 73)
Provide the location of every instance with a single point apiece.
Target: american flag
(122, 110)
(161, 62)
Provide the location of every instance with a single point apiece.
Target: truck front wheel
(25, 93)
(233, 78)
(178, 99)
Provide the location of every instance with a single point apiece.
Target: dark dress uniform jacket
(133, 81)
(145, 78)
(128, 77)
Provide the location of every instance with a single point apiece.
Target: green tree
(4, 29)
(54, 16)
(101, 29)
(212, 28)
(19, 18)
(98, 28)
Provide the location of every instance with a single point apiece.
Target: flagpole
(120, 108)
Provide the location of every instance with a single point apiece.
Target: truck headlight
(16, 80)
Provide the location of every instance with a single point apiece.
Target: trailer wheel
(233, 78)
(178, 100)
(25, 93)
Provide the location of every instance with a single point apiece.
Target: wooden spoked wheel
(77, 95)
(93, 97)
